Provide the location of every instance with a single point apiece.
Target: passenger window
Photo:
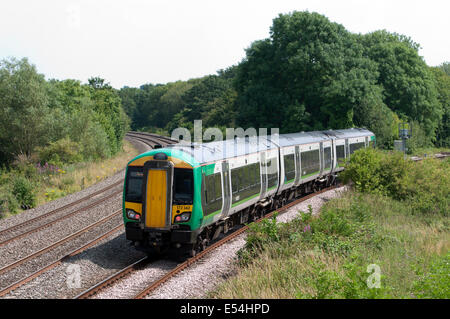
(209, 180)
(218, 186)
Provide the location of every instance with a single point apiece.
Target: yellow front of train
(158, 200)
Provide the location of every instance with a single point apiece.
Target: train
(183, 196)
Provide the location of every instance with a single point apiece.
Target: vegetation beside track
(36, 184)
(50, 128)
(403, 233)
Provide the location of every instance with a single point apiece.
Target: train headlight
(182, 218)
(131, 214)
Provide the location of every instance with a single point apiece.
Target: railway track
(55, 245)
(150, 139)
(60, 218)
(162, 138)
(43, 218)
(440, 156)
(61, 215)
(170, 274)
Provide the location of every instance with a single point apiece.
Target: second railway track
(63, 214)
(44, 220)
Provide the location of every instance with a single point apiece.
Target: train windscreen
(133, 189)
(183, 186)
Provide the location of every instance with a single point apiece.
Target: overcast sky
(136, 42)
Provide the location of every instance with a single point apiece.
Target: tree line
(58, 121)
(309, 74)
(49, 126)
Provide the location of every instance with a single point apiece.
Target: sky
(130, 43)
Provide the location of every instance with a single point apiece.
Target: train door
(333, 154)
(321, 158)
(226, 188)
(298, 170)
(347, 150)
(157, 190)
(263, 160)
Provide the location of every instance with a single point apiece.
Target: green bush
(23, 190)
(62, 151)
(8, 203)
(424, 184)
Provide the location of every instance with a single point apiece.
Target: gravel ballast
(101, 260)
(205, 275)
(60, 202)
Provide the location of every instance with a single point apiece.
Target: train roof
(349, 133)
(215, 151)
(200, 153)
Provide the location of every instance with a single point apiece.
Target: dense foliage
(309, 74)
(425, 185)
(360, 246)
(178, 104)
(389, 239)
(56, 118)
(51, 123)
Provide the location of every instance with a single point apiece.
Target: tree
(408, 85)
(445, 67)
(98, 83)
(23, 109)
(209, 98)
(110, 114)
(442, 83)
(311, 74)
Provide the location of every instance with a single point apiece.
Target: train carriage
(184, 196)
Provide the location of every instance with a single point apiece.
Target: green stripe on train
(245, 200)
(308, 175)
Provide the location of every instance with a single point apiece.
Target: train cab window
(256, 169)
(248, 178)
(133, 188)
(235, 180)
(183, 186)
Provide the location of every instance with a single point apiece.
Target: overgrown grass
(32, 185)
(389, 239)
(336, 255)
